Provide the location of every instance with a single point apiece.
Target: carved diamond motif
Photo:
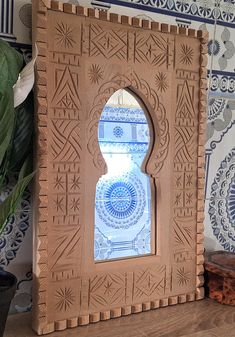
(150, 282)
(152, 49)
(107, 289)
(108, 43)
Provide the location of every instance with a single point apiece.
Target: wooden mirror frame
(84, 56)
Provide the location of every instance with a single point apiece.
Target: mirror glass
(123, 195)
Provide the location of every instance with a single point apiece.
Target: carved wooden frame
(69, 288)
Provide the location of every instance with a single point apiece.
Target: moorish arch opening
(123, 203)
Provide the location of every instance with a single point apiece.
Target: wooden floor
(195, 319)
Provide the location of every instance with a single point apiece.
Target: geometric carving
(161, 81)
(66, 94)
(59, 182)
(150, 282)
(185, 189)
(185, 173)
(67, 35)
(83, 60)
(152, 48)
(104, 93)
(185, 135)
(60, 113)
(65, 167)
(188, 179)
(58, 205)
(65, 247)
(108, 43)
(73, 204)
(107, 289)
(66, 143)
(62, 58)
(178, 200)
(185, 108)
(183, 276)
(185, 176)
(183, 231)
(74, 183)
(64, 35)
(64, 299)
(186, 74)
(186, 54)
(95, 74)
(185, 146)
(183, 256)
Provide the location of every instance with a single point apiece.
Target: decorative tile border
(203, 11)
(222, 84)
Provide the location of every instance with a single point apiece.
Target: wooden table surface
(204, 318)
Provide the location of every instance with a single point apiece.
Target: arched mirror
(123, 225)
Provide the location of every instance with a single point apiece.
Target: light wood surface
(204, 318)
(84, 57)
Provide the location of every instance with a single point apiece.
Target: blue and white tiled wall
(218, 18)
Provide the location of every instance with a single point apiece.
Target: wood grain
(85, 57)
(196, 319)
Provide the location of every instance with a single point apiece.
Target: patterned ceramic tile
(222, 84)
(220, 175)
(15, 230)
(202, 10)
(223, 49)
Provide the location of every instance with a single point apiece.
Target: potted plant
(16, 131)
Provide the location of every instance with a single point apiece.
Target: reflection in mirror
(123, 195)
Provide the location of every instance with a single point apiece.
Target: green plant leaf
(6, 122)
(26, 168)
(23, 132)
(10, 204)
(11, 63)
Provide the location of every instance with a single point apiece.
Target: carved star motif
(75, 183)
(59, 183)
(161, 81)
(183, 276)
(64, 298)
(75, 203)
(178, 181)
(108, 288)
(59, 203)
(64, 35)
(189, 179)
(95, 73)
(186, 54)
(189, 197)
(177, 199)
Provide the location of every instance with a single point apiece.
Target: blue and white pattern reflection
(123, 195)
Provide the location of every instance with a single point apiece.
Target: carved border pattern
(105, 92)
(40, 288)
(201, 163)
(40, 323)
